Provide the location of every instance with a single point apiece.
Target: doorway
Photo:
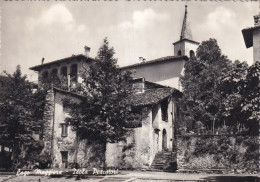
(164, 140)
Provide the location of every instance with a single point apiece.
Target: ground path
(140, 176)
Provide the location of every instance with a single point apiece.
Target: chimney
(257, 20)
(42, 60)
(141, 59)
(87, 50)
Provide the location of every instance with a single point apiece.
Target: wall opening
(45, 75)
(74, 73)
(179, 53)
(164, 108)
(64, 158)
(164, 140)
(64, 71)
(192, 54)
(54, 72)
(64, 130)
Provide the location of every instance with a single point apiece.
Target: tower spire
(186, 31)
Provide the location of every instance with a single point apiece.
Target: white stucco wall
(166, 73)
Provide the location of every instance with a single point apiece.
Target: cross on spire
(186, 31)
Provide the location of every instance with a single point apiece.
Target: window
(54, 72)
(45, 74)
(64, 130)
(164, 108)
(74, 73)
(64, 71)
(179, 53)
(192, 54)
(64, 158)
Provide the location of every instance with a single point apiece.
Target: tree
(240, 89)
(251, 98)
(231, 86)
(19, 117)
(202, 100)
(104, 110)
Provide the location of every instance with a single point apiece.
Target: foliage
(104, 109)
(19, 112)
(58, 81)
(251, 95)
(223, 152)
(221, 94)
(240, 91)
(201, 99)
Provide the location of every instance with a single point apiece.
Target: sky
(55, 29)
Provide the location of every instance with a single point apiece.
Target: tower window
(64, 71)
(54, 72)
(192, 54)
(45, 74)
(179, 53)
(74, 72)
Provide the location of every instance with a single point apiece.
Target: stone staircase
(162, 161)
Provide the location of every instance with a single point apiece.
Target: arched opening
(54, 72)
(179, 53)
(64, 71)
(192, 54)
(45, 75)
(164, 140)
(74, 73)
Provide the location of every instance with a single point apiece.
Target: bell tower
(185, 46)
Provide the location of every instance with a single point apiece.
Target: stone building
(252, 38)
(156, 84)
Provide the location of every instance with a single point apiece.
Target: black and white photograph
(129, 90)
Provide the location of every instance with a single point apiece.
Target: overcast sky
(54, 30)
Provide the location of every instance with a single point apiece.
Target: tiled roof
(159, 60)
(38, 67)
(248, 35)
(67, 92)
(151, 96)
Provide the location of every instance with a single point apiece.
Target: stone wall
(86, 153)
(48, 124)
(229, 152)
(144, 142)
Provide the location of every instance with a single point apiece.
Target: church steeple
(185, 46)
(186, 31)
